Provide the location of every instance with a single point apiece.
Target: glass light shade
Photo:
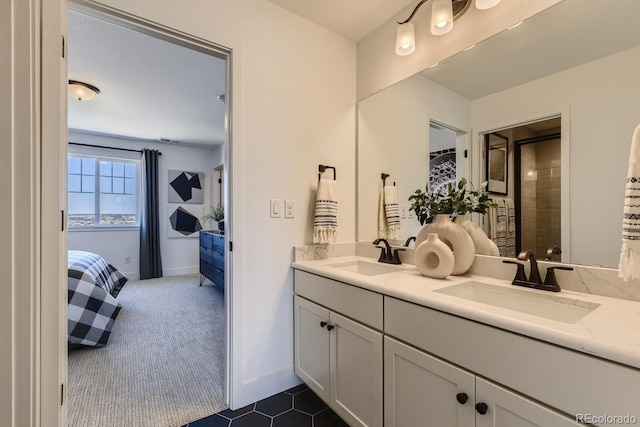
(441, 17)
(405, 39)
(486, 4)
(82, 91)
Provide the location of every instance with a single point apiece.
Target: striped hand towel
(325, 222)
(501, 215)
(383, 226)
(629, 267)
(392, 211)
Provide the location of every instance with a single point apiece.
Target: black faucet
(388, 255)
(550, 282)
(409, 241)
(534, 274)
(554, 250)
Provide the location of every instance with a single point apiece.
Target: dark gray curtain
(150, 259)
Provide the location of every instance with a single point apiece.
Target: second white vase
(480, 240)
(453, 236)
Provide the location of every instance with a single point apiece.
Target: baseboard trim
(260, 388)
(181, 271)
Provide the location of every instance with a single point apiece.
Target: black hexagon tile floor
(296, 407)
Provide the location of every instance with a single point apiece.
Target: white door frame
(49, 339)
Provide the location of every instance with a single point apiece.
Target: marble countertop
(611, 331)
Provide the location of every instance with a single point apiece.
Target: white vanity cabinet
(424, 391)
(338, 351)
(528, 371)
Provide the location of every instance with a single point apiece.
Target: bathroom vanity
(465, 351)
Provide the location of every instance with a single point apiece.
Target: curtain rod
(109, 148)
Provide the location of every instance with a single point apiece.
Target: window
(102, 191)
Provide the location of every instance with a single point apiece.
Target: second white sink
(542, 304)
(367, 268)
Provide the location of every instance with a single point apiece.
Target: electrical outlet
(276, 208)
(127, 260)
(289, 208)
(403, 211)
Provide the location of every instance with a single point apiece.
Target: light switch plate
(276, 208)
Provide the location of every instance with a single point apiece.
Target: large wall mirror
(577, 63)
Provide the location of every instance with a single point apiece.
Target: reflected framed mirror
(497, 165)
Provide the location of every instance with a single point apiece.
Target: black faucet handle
(551, 281)
(520, 274)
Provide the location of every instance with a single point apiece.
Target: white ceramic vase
(434, 258)
(453, 236)
(480, 240)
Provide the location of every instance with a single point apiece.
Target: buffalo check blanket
(93, 285)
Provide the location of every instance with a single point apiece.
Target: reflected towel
(383, 227)
(501, 216)
(511, 215)
(325, 222)
(392, 211)
(629, 267)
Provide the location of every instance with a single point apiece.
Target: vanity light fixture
(443, 13)
(82, 91)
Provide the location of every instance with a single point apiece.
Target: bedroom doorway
(171, 335)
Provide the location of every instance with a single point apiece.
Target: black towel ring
(323, 168)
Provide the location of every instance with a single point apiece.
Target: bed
(93, 285)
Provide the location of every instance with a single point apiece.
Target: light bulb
(486, 4)
(405, 39)
(441, 17)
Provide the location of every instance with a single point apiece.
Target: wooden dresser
(212, 257)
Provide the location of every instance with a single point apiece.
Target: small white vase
(453, 236)
(480, 240)
(434, 258)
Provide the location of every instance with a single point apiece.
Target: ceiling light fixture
(443, 14)
(82, 91)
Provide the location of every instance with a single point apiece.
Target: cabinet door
(422, 391)
(312, 345)
(508, 409)
(356, 372)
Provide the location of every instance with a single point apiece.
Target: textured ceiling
(149, 88)
(353, 19)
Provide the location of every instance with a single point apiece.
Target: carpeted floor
(164, 363)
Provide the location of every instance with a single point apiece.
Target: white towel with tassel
(383, 227)
(629, 267)
(392, 211)
(325, 222)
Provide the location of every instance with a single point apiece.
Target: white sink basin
(367, 268)
(542, 303)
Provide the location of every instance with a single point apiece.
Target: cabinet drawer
(206, 240)
(565, 379)
(357, 303)
(218, 243)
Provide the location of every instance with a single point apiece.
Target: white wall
(602, 97)
(380, 67)
(393, 137)
(179, 255)
(293, 108)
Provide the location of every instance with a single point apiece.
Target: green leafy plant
(216, 213)
(460, 199)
